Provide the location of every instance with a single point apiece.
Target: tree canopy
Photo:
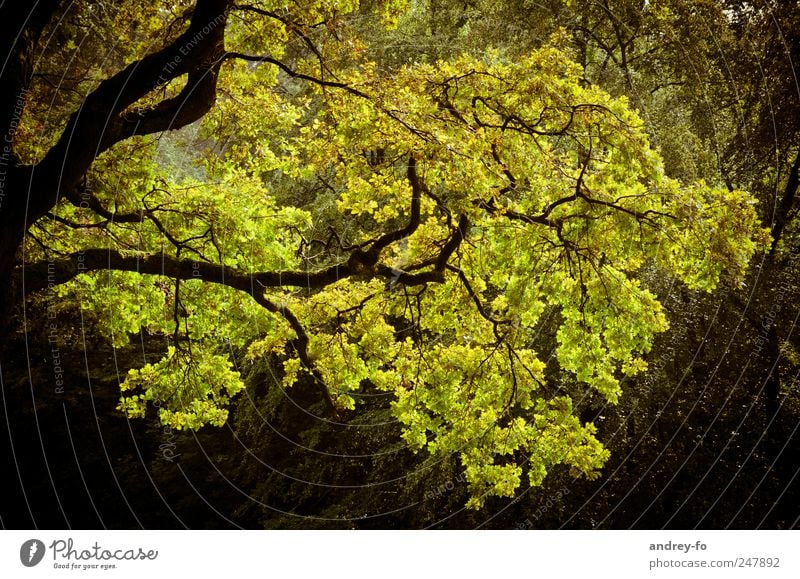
(252, 177)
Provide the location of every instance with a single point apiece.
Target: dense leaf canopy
(369, 226)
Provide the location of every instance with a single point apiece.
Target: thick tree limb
(41, 275)
(44, 274)
(452, 244)
(103, 118)
(414, 219)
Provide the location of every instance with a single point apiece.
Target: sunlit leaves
(715, 229)
(190, 388)
(505, 142)
(565, 201)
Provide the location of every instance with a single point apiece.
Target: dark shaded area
(692, 445)
(707, 438)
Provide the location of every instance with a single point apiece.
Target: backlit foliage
(453, 206)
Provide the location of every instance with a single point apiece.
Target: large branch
(47, 274)
(41, 275)
(361, 260)
(417, 187)
(104, 118)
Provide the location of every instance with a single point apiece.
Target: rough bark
(106, 116)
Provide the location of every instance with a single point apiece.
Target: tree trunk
(28, 192)
(786, 204)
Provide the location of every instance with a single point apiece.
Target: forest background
(400, 264)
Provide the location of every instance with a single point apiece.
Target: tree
(756, 103)
(402, 230)
(764, 153)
